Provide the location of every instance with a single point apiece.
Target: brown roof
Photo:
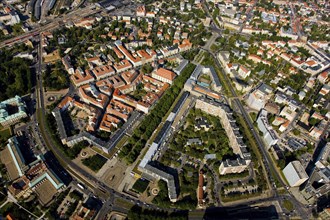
(8, 161)
(167, 74)
(64, 101)
(45, 191)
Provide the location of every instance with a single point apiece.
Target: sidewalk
(3, 204)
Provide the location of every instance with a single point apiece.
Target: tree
(296, 132)
(281, 164)
(15, 73)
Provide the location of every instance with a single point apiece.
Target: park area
(140, 185)
(94, 162)
(202, 134)
(5, 134)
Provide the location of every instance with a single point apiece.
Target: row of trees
(135, 144)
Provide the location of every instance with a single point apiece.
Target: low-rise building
(164, 75)
(232, 166)
(13, 159)
(200, 190)
(269, 135)
(67, 64)
(295, 173)
(103, 72)
(90, 95)
(259, 97)
(81, 77)
(243, 71)
(12, 111)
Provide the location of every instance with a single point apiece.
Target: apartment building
(102, 72)
(269, 135)
(81, 77)
(90, 95)
(223, 111)
(164, 75)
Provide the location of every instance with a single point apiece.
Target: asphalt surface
(269, 166)
(108, 195)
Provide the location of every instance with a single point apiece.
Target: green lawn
(288, 205)
(140, 185)
(214, 47)
(5, 134)
(94, 162)
(99, 151)
(123, 203)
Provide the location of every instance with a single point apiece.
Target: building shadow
(241, 212)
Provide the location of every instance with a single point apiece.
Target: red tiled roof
(167, 74)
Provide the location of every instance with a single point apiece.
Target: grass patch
(239, 196)
(94, 162)
(122, 141)
(5, 134)
(287, 205)
(196, 214)
(282, 191)
(215, 47)
(99, 151)
(278, 170)
(253, 116)
(123, 203)
(140, 185)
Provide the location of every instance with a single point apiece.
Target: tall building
(295, 173)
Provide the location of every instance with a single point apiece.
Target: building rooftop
(164, 73)
(214, 76)
(163, 131)
(166, 177)
(7, 160)
(12, 108)
(180, 102)
(45, 191)
(59, 122)
(181, 66)
(197, 71)
(294, 172)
